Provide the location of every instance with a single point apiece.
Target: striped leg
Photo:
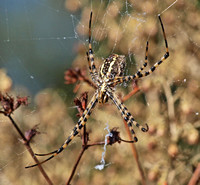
(118, 80)
(93, 75)
(146, 58)
(81, 122)
(127, 116)
(139, 73)
(90, 56)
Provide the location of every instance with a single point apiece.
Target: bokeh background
(40, 40)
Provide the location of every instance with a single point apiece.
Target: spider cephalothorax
(109, 75)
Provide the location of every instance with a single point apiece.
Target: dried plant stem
(134, 151)
(76, 165)
(85, 146)
(196, 176)
(135, 89)
(95, 144)
(27, 145)
(79, 158)
(133, 148)
(17, 128)
(170, 101)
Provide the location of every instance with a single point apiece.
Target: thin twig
(84, 147)
(96, 144)
(135, 155)
(135, 89)
(195, 179)
(17, 128)
(76, 165)
(133, 148)
(79, 158)
(170, 101)
(27, 145)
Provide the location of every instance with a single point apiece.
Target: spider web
(39, 39)
(32, 29)
(42, 35)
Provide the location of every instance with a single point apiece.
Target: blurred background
(41, 39)
(38, 40)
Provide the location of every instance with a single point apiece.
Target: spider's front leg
(118, 80)
(90, 56)
(139, 73)
(81, 122)
(127, 116)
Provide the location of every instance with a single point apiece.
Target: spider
(109, 75)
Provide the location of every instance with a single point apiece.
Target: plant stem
(27, 145)
(136, 89)
(85, 146)
(195, 179)
(134, 151)
(17, 128)
(76, 165)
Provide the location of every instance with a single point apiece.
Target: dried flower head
(9, 104)
(114, 137)
(81, 103)
(29, 134)
(74, 75)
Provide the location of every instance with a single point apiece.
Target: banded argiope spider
(110, 75)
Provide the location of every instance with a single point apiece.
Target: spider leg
(90, 56)
(93, 75)
(127, 116)
(81, 122)
(146, 58)
(139, 73)
(118, 80)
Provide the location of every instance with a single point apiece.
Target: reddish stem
(195, 179)
(133, 148)
(136, 89)
(27, 145)
(76, 165)
(135, 154)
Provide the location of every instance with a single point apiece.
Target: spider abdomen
(113, 66)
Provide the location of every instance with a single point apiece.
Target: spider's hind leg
(81, 122)
(127, 116)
